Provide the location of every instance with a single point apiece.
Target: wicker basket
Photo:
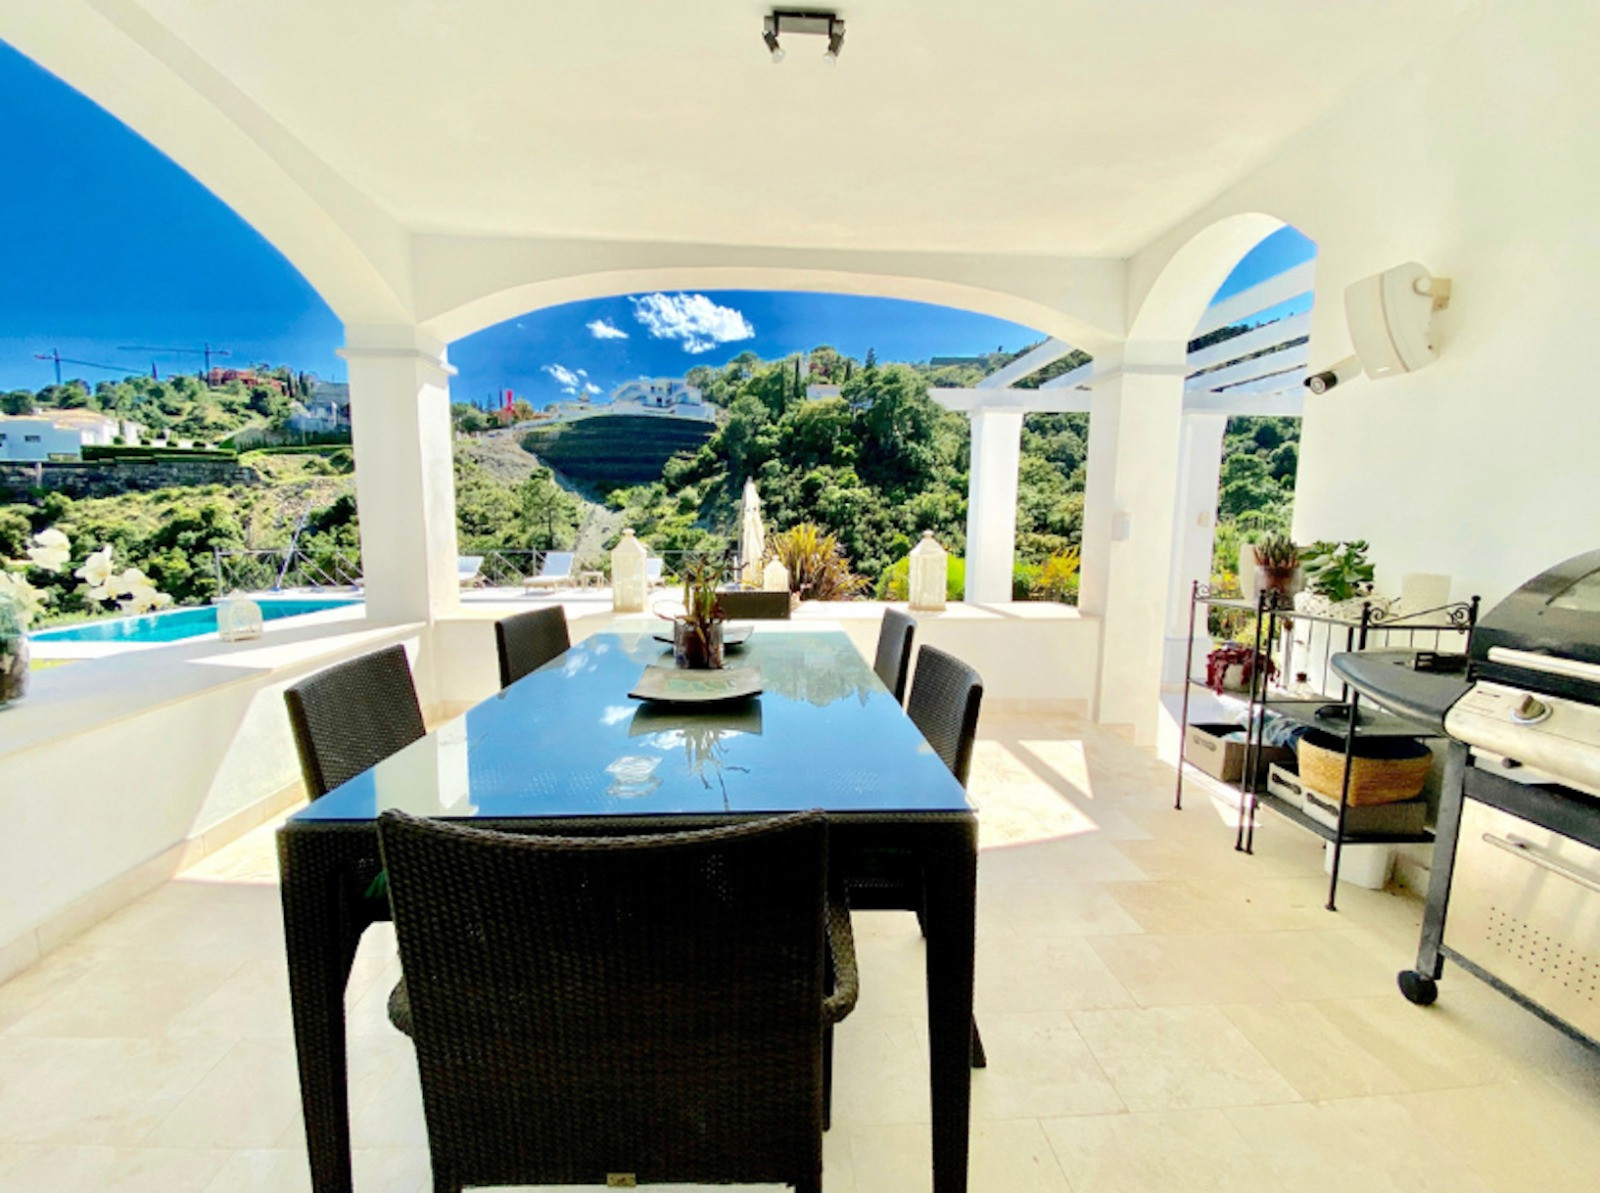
(1382, 770)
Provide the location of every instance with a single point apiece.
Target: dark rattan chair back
(945, 697)
(893, 660)
(353, 716)
(640, 1009)
(754, 606)
(527, 641)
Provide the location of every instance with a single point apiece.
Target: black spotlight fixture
(784, 21)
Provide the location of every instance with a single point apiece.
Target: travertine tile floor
(1161, 1014)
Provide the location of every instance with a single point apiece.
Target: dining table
(566, 750)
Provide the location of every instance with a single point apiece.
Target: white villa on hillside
(657, 397)
(61, 434)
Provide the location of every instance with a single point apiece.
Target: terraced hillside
(615, 450)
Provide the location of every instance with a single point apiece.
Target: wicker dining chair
(618, 1010)
(527, 641)
(893, 659)
(754, 606)
(946, 696)
(352, 716)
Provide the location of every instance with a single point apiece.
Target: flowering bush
(50, 551)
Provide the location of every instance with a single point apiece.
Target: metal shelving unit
(1375, 628)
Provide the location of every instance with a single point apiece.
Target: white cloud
(565, 378)
(692, 318)
(591, 387)
(604, 329)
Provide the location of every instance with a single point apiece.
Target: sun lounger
(556, 572)
(469, 570)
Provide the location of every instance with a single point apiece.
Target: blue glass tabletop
(567, 741)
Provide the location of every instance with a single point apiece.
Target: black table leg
(321, 930)
(952, 871)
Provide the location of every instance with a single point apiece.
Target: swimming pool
(178, 624)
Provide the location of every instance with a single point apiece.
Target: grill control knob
(1530, 710)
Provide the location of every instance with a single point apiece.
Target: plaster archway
(521, 300)
(1170, 308)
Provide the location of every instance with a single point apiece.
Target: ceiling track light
(784, 21)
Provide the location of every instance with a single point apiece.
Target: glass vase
(696, 650)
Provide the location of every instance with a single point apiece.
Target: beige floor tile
(1170, 971)
(252, 1001)
(1039, 1067)
(392, 1116)
(65, 1169)
(1049, 974)
(1006, 1157)
(1195, 1151)
(1523, 1135)
(248, 1100)
(125, 996)
(264, 1171)
(1083, 858)
(92, 1091)
(1036, 910)
(1318, 1059)
(43, 982)
(1239, 903)
(1345, 963)
(1428, 1048)
(1180, 1058)
(1359, 1143)
(880, 1070)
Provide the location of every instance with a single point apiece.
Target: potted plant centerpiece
(1278, 565)
(697, 635)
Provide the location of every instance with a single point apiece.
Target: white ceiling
(1073, 127)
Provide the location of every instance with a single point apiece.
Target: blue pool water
(179, 623)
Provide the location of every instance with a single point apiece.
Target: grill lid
(1545, 636)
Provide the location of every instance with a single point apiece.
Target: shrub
(1057, 578)
(895, 583)
(818, 570)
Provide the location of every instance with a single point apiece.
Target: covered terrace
(1165, 1014)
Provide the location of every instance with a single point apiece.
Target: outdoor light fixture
(783, 21)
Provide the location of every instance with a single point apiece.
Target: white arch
(1183, 287)
(113, 51)
(465, 284)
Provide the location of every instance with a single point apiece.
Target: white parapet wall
(115, 773)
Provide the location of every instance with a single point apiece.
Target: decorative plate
(677, 685)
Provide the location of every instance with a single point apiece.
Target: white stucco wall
(1482, 161)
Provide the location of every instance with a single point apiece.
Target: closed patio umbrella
(752, 538)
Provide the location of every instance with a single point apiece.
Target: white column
(405, 475)
(1194, 533)
(992, 504)
(1129, 501)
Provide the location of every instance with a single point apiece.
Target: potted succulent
(697, 634)
(1277, 565)
(1338, 578)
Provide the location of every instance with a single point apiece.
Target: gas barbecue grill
(1514, 895)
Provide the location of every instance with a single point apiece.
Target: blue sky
(108, 249)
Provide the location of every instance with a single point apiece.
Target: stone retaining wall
(109, 478)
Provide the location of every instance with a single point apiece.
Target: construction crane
(58, 360)
(206, 351)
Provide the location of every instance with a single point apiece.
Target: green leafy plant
(1338, 571)
(818, 569)
(701, 609)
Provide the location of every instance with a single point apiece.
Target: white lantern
(927, 574)
(629, 586)
(775, 577)
(238, 619)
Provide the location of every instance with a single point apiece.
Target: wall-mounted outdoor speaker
(1391, 318)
